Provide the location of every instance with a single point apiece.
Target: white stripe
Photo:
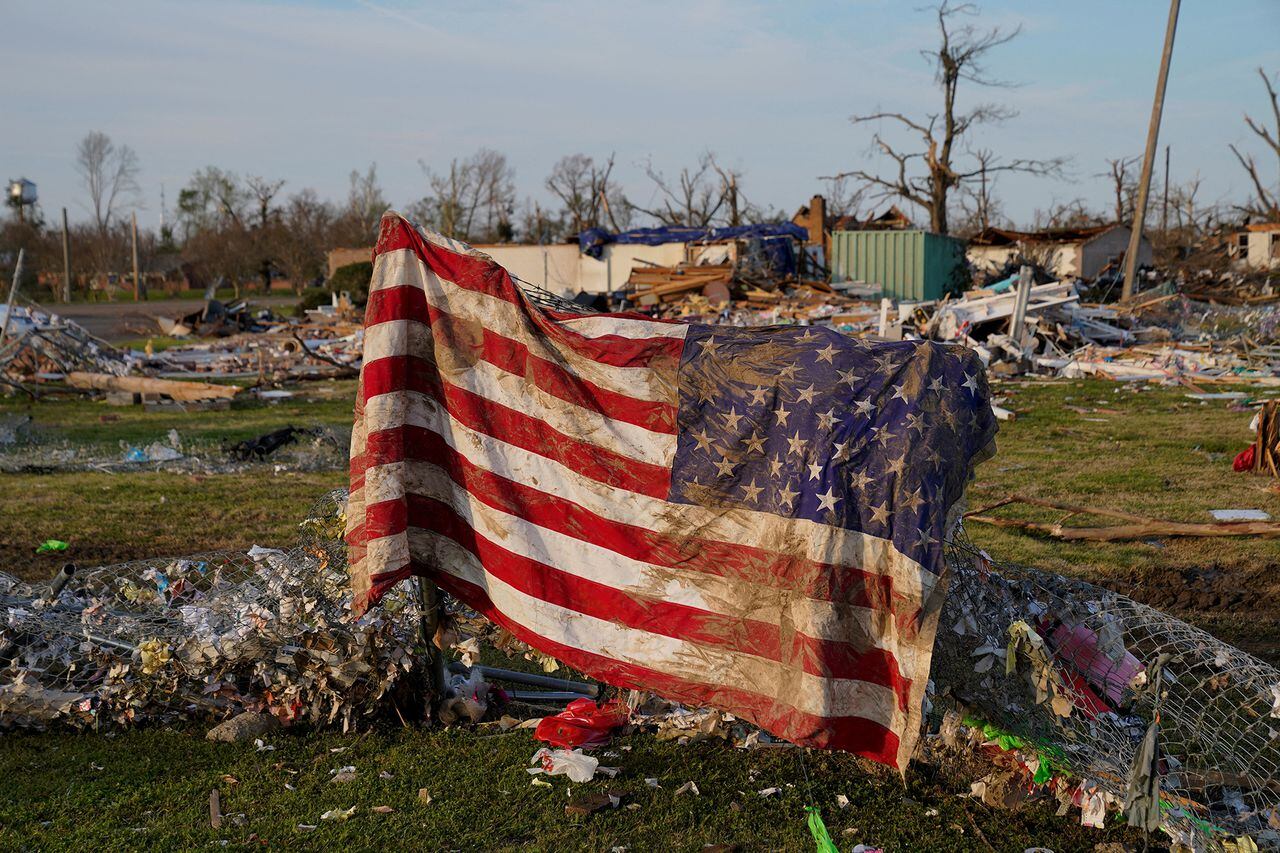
(790, 536)
(403, 267)
(822, 697)
(603, 325)
(507, 389)
(727, 596)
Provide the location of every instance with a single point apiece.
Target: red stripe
(786, 572)
(506, 424)
(410, 303)
(858, 735)
(483, 276)
(815, 655)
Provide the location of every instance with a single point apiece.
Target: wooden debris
(1137, 526)
(171, 388)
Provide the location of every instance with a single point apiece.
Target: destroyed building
(1063, 252)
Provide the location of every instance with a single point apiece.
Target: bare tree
(365, 203)
(475, 201)
(304, 238)
(109, 173)
(926, 178)
(845, 196)
(1124, 186)
(589, 196)
(1267, 199)
(1066, 214)
(708, 194)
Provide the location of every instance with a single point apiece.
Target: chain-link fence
(1081, 672)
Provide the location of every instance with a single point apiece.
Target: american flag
(749, 519)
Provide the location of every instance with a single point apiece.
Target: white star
(807, 336)
(815, 471)
(860, 480)
(725, 468)
(899, 393)
(755, 443)
(752, 492)
(781, 414)
(936, 384)
(880, 514)
(915, 421)
(826, 420)
(850, 376)
(703, 440)
(807, 395)
(757, 395)
(863, 407)
(788, 371)
(788, 496)
(897, 466)
(842, 449)
(775, 467)
(731, 420)
(827, 353)
(971, 382)
(914, 501)
(923, 538)
(827, 500)
(709, 346)
(796, 444)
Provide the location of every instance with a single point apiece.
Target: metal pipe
(537, 696)
(529, 678)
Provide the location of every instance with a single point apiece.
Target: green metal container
(911, 266)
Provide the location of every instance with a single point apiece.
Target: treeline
(232, 230)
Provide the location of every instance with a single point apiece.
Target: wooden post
(137, 279)
(1017, 323)
(66, 258)
(13, 292)
(430, 614)
(1148, 159)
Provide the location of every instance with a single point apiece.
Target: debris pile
(206, 635)
(43, 347)
(1074, 679)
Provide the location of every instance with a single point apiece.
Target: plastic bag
(582, 723)
(578, 766)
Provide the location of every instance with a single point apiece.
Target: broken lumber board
(1137, 526)
(146, 385)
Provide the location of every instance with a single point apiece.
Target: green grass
(150, 789)
(1162, 455)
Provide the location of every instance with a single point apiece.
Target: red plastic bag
(1244, 460)
(582, 723)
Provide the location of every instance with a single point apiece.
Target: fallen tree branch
(1138, 526)
(347, 369)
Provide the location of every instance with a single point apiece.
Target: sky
(309, 91)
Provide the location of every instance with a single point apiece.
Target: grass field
(1150, 451)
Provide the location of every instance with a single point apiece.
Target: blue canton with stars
(804, 422)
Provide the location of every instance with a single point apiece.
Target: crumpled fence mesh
(315, 447)
(1070, 667)
(207, 633)
(1064, 664)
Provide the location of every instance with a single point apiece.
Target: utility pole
(137, 279)
(66, 259)
(13, 295)
(1148, 159)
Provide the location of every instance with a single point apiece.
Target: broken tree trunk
(1138, 526)
(173, 388)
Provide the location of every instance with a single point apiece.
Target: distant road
(118, 321)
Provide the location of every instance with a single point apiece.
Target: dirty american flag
(750, 519)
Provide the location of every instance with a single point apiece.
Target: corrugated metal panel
(908, 265)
